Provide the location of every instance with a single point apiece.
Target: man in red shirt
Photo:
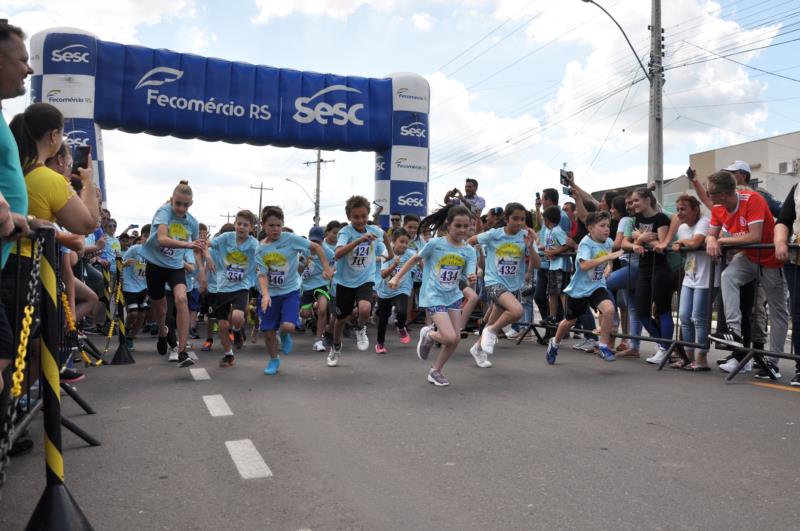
(745, 217)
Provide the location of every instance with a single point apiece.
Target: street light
(655, 150)
(313, 202)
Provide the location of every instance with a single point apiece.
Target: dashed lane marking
(200, 374)
(248, 461)
(217, 406)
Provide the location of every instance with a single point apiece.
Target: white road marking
(200, 374)
(217, 406)
(248, 461)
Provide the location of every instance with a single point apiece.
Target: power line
(745, 65)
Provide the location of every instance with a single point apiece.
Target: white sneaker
(173, 354)
(333, 357)
(192, 355)
(510, 332)
(732, 363)
(319, 346)
(362, 341)
(658, 357)
(488, 340)
(587, 345)
(479, 356)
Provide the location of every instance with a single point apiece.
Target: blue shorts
(444, 309)
(283, 309)
(194, 300)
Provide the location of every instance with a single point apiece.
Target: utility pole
(227, 216)
(655, 151)
(260, 189)
(319, 162)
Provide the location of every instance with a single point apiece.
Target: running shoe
(479, 356)
(424, 344)
(607, 354)
(552, 351)
(380, 349)
(362, 341)
(207, 345)
(795, 382)
(161, 345)
(273, 366)
(732, 363)
(193, 333)
(488, 341)
(227, 360)
(286, 342)
(658, 357)
(436, 377)
(405, 338)
(333, 356)
(184, 360)
(173, 354)
(586, 345)
(319, 345)
(767, 374)
(171, 339)
(728, 337)
(71, 375)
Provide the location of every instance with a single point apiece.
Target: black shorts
(14, 275)
(234, 300)
(136, 301)
(347, 298)
(210, 302)
(158, 277)
(577, 307)
(309, 297)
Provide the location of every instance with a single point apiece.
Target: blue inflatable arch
(103, 85)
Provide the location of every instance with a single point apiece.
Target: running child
(355, 274)
(554, 242)
(448, 259)
(316, 288)
(506, 250)
(134, 288)
(279, 282)
(588, 285)
(214, 270)
(172, 230)
(236, 252)
(388, 297)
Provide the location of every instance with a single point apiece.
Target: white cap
(739, 165)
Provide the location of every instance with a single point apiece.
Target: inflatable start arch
(104, 85)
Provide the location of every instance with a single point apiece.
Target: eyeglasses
(394, 219)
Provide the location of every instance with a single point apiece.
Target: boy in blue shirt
(134, 288)
(279, 282)
(236, 255)
(554, 241)
(316, 288)
(355, 273)
(588, 285)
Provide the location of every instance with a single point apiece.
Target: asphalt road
(584, 444)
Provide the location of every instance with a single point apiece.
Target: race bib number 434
(448, 275)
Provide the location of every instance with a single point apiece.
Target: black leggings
(400, 303)
(654, 286)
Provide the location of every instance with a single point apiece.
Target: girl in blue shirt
(173, 229)
(507, 251)
(448, 259)
(388, 297)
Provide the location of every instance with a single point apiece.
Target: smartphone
(566, 190)
(80, 158)
(538, 196)
(134, 226)
(564, 178)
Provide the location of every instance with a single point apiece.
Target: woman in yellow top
(39, 132)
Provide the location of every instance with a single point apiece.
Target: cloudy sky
(519, 87)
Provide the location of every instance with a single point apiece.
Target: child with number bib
(448, 260)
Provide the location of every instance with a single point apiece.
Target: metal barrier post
(123, 354)
(57, 509)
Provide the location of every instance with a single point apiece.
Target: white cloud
(422, 21)
(337, 9)
(116, 21)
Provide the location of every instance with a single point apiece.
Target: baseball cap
(739, 165)
(316, 234)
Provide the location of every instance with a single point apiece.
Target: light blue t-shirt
(406, 284)
(584, 283)
(445, 265)
(133, 276)
(332, 248)
(380, 252)
(12, 182)
(191, 278)
(185, 229)
(110, 250)
(312, 274)
(551, 239)
(505, 258)
(416, 272)
(357, 267)
(237, 262)
(278, 261)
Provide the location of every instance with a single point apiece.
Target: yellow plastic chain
(117, 298)
(19, 363)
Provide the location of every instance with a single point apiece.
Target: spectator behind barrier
(745, 216)
(789, 224)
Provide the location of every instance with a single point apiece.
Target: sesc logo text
(339, 113)
(74, 53)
